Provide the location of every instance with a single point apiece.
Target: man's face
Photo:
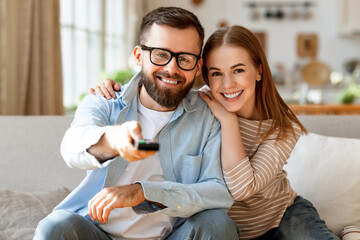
(167, 85)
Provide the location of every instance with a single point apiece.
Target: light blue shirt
(189, 155)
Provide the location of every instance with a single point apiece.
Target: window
(93, 41)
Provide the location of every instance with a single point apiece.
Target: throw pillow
(325, 170)
(23, 210)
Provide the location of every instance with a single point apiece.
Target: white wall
(281, 35)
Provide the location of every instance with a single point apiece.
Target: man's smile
(169, 81)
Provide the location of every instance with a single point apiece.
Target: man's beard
(165, 97)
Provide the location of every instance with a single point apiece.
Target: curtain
(30, 64)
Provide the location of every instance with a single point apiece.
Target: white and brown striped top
(258, 183)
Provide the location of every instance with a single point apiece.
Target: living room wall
(333, 49)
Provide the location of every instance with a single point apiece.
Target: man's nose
(172, 66)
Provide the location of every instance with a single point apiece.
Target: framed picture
(307, 45)
(261, 36)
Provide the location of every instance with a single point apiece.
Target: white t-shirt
(124, 223)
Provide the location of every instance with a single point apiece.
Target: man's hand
(108, 199)
(118, 140)
(106, 88)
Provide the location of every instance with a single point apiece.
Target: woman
(259, 132)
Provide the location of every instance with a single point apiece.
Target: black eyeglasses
(161, 57)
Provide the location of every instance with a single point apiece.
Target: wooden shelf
(325, 109)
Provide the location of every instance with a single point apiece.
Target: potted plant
(122, 76)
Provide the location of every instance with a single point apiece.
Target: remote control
(146, 144)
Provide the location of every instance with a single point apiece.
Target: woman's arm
(232, 147)
(258, 172)
(247, 176)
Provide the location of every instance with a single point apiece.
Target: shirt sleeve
(90, 123)
(254, 174)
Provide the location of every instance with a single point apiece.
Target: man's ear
(138, 55)
(199, 66)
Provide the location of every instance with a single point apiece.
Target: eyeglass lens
(163, 57)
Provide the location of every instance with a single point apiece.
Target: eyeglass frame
(172, 54)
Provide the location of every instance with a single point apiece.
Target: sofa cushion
(22, 211)
(325, 170)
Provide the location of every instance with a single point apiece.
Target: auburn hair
(268, 101)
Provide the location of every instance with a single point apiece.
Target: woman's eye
(239, 70)
(214, 74)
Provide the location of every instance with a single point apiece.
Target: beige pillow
(21, 211)
(326, 171)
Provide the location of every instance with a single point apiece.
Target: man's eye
(161, 55)
(183, 59)
(239, 70)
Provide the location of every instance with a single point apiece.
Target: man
(175, 193)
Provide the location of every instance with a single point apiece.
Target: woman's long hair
(268, 103)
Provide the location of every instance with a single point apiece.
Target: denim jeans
(209, 224)
(301, 221)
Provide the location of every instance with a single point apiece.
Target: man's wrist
(155, 203)
(139, 190)
(138, 187)
(102, 150)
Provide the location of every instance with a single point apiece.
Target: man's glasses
(161, 57)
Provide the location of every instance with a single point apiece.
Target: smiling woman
(232, 79)
(258, 133)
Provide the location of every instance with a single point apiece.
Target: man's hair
(171, 16)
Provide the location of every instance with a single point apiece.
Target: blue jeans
(301, 221)
(209, 224)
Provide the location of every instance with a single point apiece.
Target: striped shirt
(258, 182)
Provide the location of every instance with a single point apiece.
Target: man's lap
(208, 224)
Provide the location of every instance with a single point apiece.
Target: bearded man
(177, 192)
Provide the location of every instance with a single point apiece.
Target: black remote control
(146, 144)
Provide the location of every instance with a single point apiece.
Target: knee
(56, 224)
(217, 222)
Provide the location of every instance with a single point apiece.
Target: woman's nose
(228, 82)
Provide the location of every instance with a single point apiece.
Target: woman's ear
(138, 55)
(259, 73)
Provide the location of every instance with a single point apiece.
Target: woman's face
(232, 79)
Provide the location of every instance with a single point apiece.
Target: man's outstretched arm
(118, 140)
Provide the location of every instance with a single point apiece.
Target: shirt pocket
(190, 168)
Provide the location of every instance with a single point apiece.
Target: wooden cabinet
(349, 17)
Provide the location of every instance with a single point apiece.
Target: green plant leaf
(122, 76)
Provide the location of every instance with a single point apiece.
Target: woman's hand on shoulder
(106, 88)
(216, 108)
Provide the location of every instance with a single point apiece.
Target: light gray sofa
(34, 178)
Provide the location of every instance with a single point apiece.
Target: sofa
(324, 168)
